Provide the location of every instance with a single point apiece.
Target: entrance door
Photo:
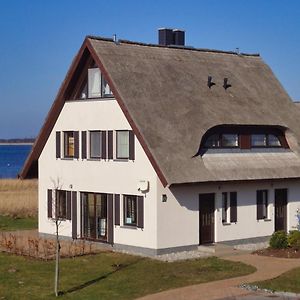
(281, 209)
(94, 217)
(206, 218)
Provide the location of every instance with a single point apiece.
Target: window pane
(130, 216)
(212, 141)
(61, 205)
(122, 144)
(230, 140)
(69, 144)
(95, 144)
(265, 204)
(258, 140)
(106, 91)
(273, 141)
(94, 83)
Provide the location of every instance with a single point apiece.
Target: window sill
(226, 224)
(68, 158)
(267, 220)
(92, 99)
(126, 226)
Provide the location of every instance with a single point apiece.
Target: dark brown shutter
(131, 145)
(110, 144)
(117, 209)
(245, 141)
(110, 224)
(83, 144)
(68, 205)
(140, 211)
(259, 205)
(233, 207)
(76, 144)
(103, 144)
(49, 204)
(57, 144)
(74, 215)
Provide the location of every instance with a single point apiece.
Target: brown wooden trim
(76, 144)
(58, 144)
(140, 211)
(52, 115)
(131, 145)
(103, 144)
(127, 114)
(58, 105)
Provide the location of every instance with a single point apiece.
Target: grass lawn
(107, 276)
(8, 223)
(287, 282)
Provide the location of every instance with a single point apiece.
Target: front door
(94, 216)
(281, 209)
(206, 218)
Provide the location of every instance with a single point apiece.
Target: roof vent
(167, 36)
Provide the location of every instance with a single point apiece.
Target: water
(12, 158)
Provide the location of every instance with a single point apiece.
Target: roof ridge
(123, 41)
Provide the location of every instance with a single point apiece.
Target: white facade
(169, 224)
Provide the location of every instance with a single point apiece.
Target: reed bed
(18, 198)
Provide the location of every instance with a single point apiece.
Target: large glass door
(94, 216)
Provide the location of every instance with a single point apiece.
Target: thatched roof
(165, 94)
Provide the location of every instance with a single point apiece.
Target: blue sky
(40, 38)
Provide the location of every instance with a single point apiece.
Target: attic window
(95, 85)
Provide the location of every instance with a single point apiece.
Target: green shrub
(294, 239)
(279, 240)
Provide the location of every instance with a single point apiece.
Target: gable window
(262, 204)
(97, 86)
(130, 210)
(122, 144)
(222, 141)
(95, 144)
(213, 141)
(69, 144)
(61, 204)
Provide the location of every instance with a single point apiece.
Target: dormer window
(244, 137)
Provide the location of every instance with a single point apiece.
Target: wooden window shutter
(68, 205)
(74, 215)
(103, 144)
(58, 144)
(259, 205)
(131, 145)
(49, 195)
(117, 209)
(233, 207)
(110, 221)
(76, 144)
(140, 212)
(110, 144)
(83, 144)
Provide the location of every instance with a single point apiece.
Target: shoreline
(16, 144)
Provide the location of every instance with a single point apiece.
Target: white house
(160, 148)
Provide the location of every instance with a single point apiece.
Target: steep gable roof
(164, 95)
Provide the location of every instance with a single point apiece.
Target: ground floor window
(61, 204)
(224, 207)
(262, 204)
(229, 202)
(130, 210)
(94, 216)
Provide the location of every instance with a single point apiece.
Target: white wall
(105, 176)
(178, 218)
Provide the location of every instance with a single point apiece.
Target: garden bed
(283, 253)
